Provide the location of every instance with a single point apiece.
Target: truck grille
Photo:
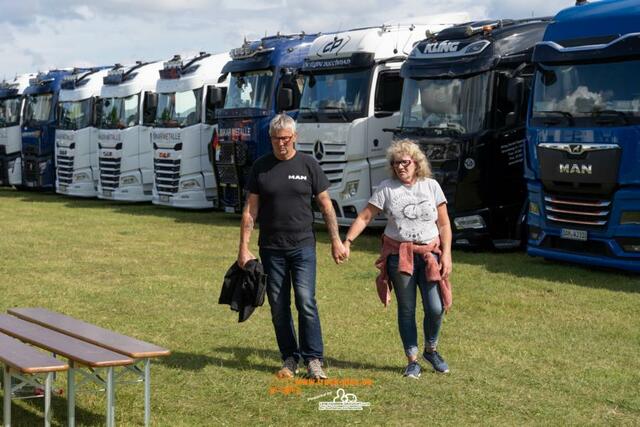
(167, 175)
(581, 212)
(109, 172)
(332, 159)
(233, 153)
(64, 169)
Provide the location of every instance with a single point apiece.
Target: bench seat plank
(64, 345)
(27, 359)
(90, 333)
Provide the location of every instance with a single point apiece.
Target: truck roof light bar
(118, 74)
(40, 79)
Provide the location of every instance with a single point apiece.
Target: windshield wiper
(341, 110)
(617, 114)
(555, 121)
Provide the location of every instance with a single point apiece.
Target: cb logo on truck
(331, 46)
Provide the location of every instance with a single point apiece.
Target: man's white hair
(280, 122)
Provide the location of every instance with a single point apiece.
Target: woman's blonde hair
(408, 147)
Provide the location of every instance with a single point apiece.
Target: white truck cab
(351, 94)
(76, 140)
(127, 110)
(184, 129)
(11, 106)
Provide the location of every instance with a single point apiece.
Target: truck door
(387, 94)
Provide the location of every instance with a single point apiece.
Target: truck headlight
(475, 222)
(189, 184)
(534, 209)
(630, 217)
(350, 190)
(128, 180)
(81, 177)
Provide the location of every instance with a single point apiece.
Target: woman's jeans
(297, 267)
(405, 289)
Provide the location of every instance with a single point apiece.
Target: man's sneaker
(314, 370)
(289, 368)
(413, 370)
(436, 361)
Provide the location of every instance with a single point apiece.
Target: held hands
(445, 265)
(339, 252)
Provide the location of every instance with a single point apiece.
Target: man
(281, 186)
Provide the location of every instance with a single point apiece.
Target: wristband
(349, 240)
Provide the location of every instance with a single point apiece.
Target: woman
(416, 249)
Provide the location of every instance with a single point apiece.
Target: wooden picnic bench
(25, 364)
(140, 351)
(80, 354)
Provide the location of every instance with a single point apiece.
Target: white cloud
(35, 34)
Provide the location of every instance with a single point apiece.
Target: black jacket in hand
(244, 289)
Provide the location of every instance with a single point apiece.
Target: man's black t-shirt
(285, 189)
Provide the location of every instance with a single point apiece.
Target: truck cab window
(388, 94)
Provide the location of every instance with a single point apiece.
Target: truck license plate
(164, 198)
(62, 188)
(107, 193)
(569, 234)
(229, 209)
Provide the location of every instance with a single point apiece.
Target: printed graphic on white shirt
(413, 213)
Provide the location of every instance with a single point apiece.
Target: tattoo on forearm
(330, 219)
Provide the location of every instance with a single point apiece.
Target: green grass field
(529, 342)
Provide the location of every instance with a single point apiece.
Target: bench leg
(7, 397)
(47, 399)
(111, 397)
(147, 392)
(71, 395)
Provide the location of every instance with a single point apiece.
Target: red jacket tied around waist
(405, 251)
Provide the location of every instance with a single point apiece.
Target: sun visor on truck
(622, 47)
(355, 60)
(260, 61)
(449, 58)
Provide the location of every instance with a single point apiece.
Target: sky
(37, 35)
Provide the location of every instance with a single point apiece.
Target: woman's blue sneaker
(412, 370)
(436, 361)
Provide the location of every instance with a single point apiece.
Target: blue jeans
(297, 267)
(405, 289)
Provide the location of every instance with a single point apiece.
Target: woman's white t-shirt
(412, 210)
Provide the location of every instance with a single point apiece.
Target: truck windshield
(454, 105)
(75, 115)
(9, 112)
(119, 113)
(249, 90)
(583, 94)
(341, 95)
(179, 109)
(38, 109)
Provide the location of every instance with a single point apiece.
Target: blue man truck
(583, 152)
(38, 130)
(264, 80)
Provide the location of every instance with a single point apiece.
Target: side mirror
(149, 108)
(97, 112)
(285, 99)
(515, 90)
(216, 97)
(510, 120)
